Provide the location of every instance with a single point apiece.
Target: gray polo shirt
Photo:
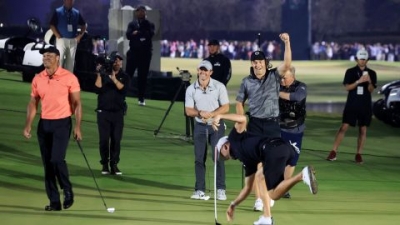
(262, 95)
(211, 99)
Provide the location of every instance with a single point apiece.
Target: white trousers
(67, 48)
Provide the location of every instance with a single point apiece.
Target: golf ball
(111, 210)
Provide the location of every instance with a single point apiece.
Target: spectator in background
(64, 24)
(360, 82)
(140, 33)
(270, 49)
(222, 69)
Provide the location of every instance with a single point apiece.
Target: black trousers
(53, 137)
(276, 156)
(110, 125)
(139, 60)
(266, 127)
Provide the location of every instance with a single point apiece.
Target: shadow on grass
(8, 153)
(12, 154)
(106, 216)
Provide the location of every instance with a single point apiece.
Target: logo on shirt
(217, 64)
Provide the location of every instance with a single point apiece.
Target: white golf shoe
(264, 221)
(258, 205)
(221, 195)
(309, 179)
(198, 195)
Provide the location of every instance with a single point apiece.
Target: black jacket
(142, 40)
(222, 70)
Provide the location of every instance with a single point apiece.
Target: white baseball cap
(220, 143)
(205, 64)
(362, 54)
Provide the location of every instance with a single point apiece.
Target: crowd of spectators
(241, 50)
(377, 51)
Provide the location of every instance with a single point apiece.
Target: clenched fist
(284, 37)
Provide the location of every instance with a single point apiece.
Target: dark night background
(339, 20)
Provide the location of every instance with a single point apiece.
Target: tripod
(189, 122)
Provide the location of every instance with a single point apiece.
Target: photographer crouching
(111, 107)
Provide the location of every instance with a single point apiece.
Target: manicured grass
(158, 171)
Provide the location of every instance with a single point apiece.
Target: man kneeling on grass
(274, 153)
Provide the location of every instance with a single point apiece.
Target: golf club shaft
(242, 175)
(91, 171)
(208, 169)
(215, 183)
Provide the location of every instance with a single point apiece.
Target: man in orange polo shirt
(58, 91)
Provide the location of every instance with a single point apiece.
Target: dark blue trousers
(53, 137)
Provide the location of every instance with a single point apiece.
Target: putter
(215, 185)
(110, 210)
(207, 197)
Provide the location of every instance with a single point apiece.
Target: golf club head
(216, 223)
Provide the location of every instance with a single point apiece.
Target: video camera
(184, 74)
(107, 62)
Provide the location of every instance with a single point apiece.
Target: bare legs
(362, 136)
(340, 135)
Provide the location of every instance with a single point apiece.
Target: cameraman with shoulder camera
(140, 33)
(111, 107)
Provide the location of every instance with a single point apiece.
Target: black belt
(202, 124)
(272, 119)
(271, 142)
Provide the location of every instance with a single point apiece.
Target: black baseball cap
(140, 7)
(119, 56)
(213, 42)
(50, 49)
(257, 55)
(114, 55)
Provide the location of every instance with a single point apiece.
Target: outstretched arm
(241, 197)
(287, 60)
(240, 121)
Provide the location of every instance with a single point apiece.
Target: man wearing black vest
(292, 108)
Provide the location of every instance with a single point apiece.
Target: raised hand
(284, 37)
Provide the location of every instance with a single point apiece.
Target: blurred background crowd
(241, 50)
